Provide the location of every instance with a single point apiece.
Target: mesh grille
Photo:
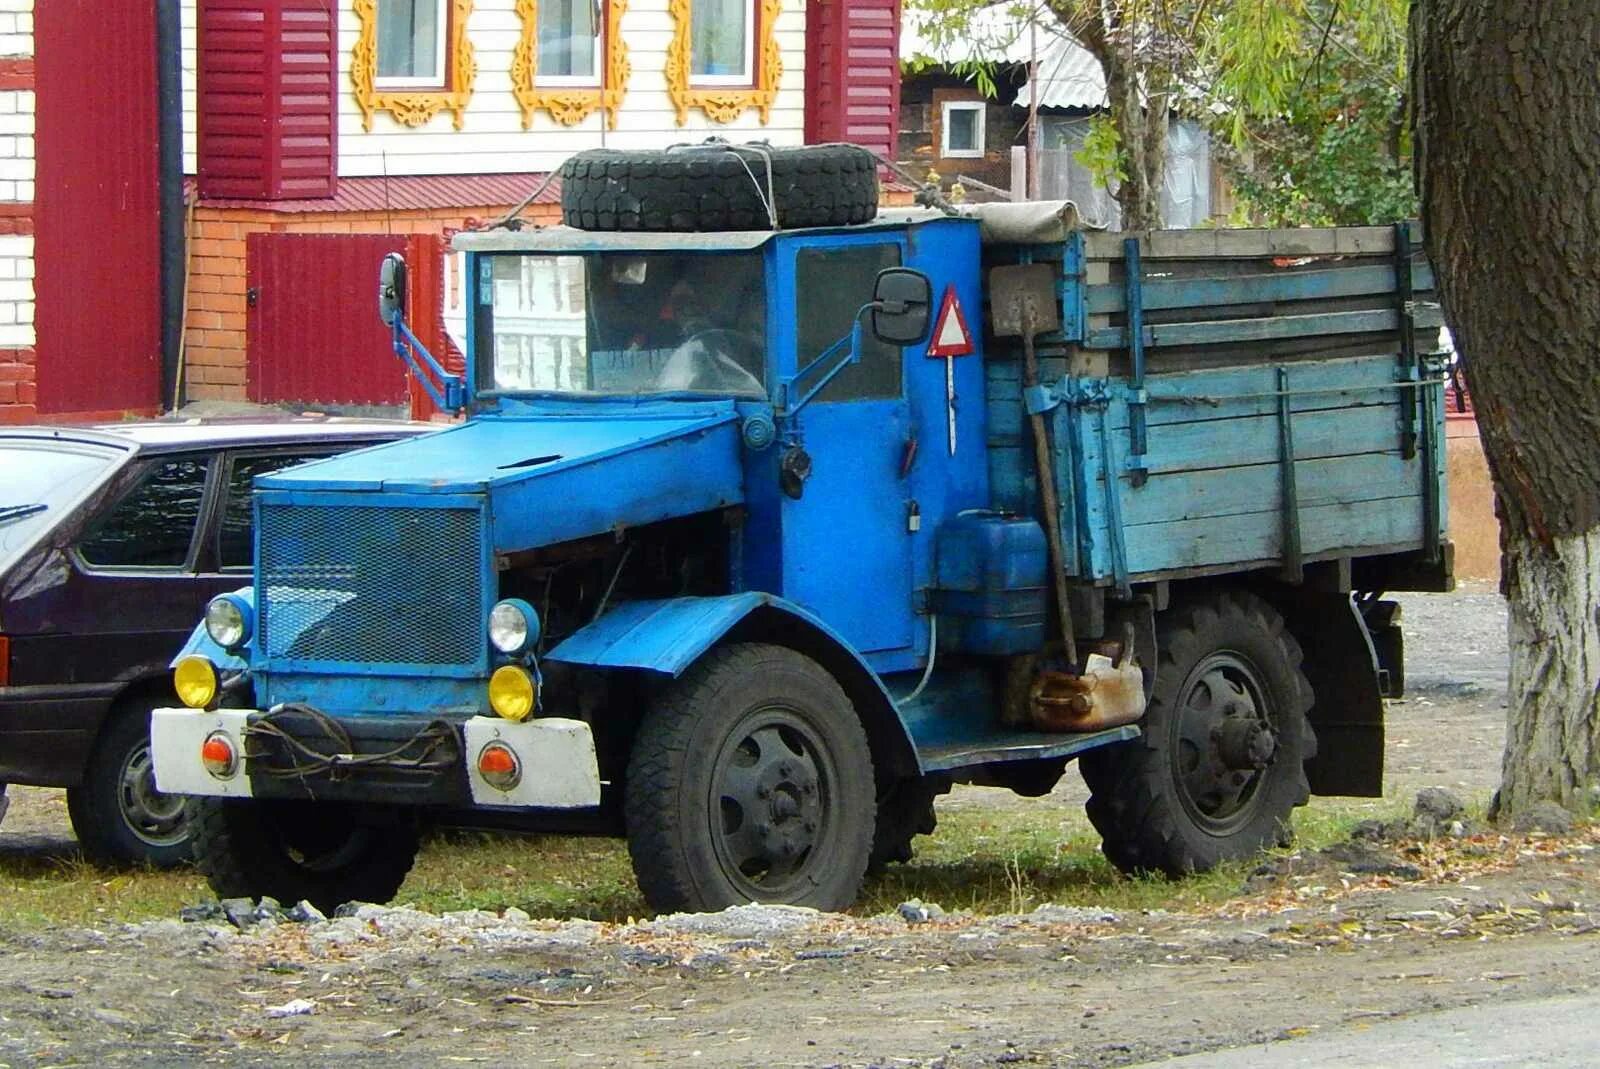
(370, 583)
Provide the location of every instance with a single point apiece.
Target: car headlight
(195, 679)
(513, 692)
(513, 626)
(228, 621)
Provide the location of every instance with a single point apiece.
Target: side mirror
(392, 289)
(902, 304)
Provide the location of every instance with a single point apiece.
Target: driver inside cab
(705, 312)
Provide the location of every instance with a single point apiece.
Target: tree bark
(1507, 112)
(1137, 94)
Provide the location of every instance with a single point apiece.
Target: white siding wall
(16, 180)
(493, 140)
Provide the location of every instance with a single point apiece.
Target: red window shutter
(853, 73)
(267, 101)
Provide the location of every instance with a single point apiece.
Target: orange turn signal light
(499, 767)
(217, 754)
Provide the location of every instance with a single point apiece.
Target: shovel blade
(1022, 300)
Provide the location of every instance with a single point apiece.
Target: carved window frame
(413, 107)
(721, 103)
(569, 105)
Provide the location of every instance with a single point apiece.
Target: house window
(724, 57)
(570, 42)
(721, 42)
(411, 43)
(961, 123)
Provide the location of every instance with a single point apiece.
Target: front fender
(200, 641)
(668, 636)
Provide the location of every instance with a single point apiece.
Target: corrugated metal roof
(1069, 77)
(411, 193)
(424, 192)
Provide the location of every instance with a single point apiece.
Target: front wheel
(118, 815)
(325, 853)
(1221, 764)
(750, 780)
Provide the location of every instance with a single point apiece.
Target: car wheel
(750, 780)
(325, 853)
(118, 815)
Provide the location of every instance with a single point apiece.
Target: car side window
(152, 525)
(831, 285)
(236, 531)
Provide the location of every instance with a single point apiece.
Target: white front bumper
(559, 767)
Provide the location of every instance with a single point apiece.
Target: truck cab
(739, 551)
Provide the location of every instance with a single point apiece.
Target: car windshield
(623, 324)
(38, 480)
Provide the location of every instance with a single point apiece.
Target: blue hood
(550, 476)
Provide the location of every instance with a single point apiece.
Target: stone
(268, 911)
(303, 912)
(1546, 817)
(241, 912)
(1053, 914)
(915, 911)
(1438, 805)
(204, 911)
(513, 915)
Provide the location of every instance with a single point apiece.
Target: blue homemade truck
(754, 540)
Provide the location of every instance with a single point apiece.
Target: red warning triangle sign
(951, 335)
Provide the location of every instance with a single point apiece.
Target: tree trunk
(1507, 100)
(1139, 106)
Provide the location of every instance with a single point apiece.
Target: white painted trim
(752, 27)
(979, 130)
(176, 736)
(559, 767)
(439, 81)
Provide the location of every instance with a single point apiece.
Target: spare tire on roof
(718, 186)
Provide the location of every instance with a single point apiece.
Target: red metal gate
(97, 244)
(313, 333)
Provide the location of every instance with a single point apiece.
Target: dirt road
(1317, 945)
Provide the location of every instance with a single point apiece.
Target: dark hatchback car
(112, 540)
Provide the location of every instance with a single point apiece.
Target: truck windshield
(623, 324)
(41, 480)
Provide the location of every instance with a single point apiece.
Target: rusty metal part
(1109, 693)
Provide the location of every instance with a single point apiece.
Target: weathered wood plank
(1282, 285)
(1258, 536)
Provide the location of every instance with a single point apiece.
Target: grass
(988, 859)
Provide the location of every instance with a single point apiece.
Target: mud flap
(1343, 667)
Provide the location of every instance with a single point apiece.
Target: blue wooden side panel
(1215, 494)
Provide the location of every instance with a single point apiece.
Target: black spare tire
(718, 186)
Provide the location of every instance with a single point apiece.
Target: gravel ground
(1387, 928)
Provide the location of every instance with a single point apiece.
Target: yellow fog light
(512, 692)
(195, 679)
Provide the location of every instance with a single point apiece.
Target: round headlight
(228, 621)
(513, 626)
(195, 679)
(513, 694)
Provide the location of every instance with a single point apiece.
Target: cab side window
(236, 528)
(831, 285)
(153, 525)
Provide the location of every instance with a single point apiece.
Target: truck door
(847, 541)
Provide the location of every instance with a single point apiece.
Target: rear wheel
(1221, 764)
(750, 780)
(118, 815)
(326, 853)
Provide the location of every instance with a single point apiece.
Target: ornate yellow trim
(723, 104)
(569, 105)
(413, 107)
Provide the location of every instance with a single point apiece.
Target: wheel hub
(154, 817)
(770, 804)
(1245, 743)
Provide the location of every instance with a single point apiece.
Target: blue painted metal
(1074, 311)
(789, 385)
(450, 393)
(1137, 434)
(1293, 562)
(953, 726)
